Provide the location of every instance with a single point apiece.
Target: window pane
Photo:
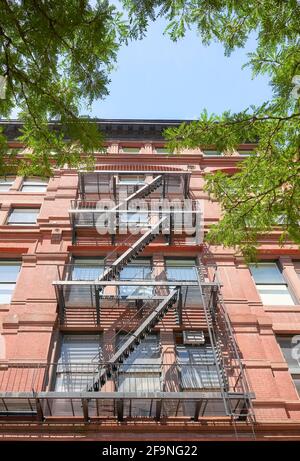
(34, 188)
(275, 295)
(162, 150)
(133, 271)
(133, 150)
(139, 382)
(296, 380)
(197, 367)
(87, 269)
(6, 291)
(246, 153)
(34, 185)
(145, 357)
(290, 350)
(6, 183)
(138, 218)
(4, 187)
(24, 216)
(266, 273)
(131, 179)
(9, 271)
(212, 152)
(78, 363)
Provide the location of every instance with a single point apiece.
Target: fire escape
(231, 392)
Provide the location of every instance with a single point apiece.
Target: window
(34, 185)
(9, 271)
(24, 216)
(82, 269)
(246, 153)
(141, 370)
(131, 180)
(162, 150)
(139, 270)
(212, 153)
(87, 268)
(271, 284)
(78, 365)
(137, 218)
(297, 267)
(184, 270)
(131, 150)
(6, 183)
(197, 367)
(291, 353)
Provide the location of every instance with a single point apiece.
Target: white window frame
(10, 284)
(7, 181)
(294, 368)
(133, 180)
(35, 184)
(145, 266)
(24, 210)
(212, 153)
(276, 288)
(142, 370)
(77, 375)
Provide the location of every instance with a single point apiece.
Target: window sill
(283, 308)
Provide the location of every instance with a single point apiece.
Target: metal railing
(140, 377)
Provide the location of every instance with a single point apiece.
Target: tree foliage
(55, 56)
(265, 192)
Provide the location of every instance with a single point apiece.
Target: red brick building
(141, 332)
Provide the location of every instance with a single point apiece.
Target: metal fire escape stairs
(153, 314)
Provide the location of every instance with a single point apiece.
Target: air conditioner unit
(193, 337)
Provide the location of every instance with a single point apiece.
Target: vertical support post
(115, 188)
(39, 410)
(97, 301)
(120, 410)
(164, 186)
(85, 409)
(186, 186)
(197, 410)
(82, 187)
(61, 303)
(158, 410)
(171, 224)
(179, 306)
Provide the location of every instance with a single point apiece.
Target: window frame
(13, 283)
(4, 181)
(35, 184)
(21, 223)
(60, 372)
(212, 153)
(294, 371)
(265, 284)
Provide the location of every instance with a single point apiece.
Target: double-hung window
(290, 347)
(131, 180)
(184, 270)
(212, 153)
(141, 371)
(23, 216)
(34, 185)
(9, 271)
(6, 183)
(197, 367)
(139, 270)
(83, 269)
(271, 285)
(131, 150)
(78, 364)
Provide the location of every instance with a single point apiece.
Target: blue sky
(156, 78)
